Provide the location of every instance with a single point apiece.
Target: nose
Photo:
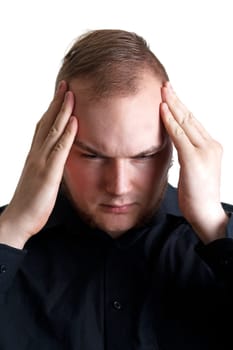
(118, 178)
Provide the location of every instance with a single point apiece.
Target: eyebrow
(90, 149)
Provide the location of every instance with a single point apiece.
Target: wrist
(212, 226)
(9, 233)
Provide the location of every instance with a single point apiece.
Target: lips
(116, 208)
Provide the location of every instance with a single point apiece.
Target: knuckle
(67, 132)
(179, 131)
(53, 131)
(188, 116)
(59, 147)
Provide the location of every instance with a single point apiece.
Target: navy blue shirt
(155, 287)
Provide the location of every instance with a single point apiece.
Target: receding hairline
(93, 93)
(110, 62)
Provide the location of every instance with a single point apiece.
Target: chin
(115, 227)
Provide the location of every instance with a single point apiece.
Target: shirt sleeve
(218, 255)
(10, 261)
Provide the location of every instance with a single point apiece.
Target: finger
(57, 129)
(186, 115)
(47, 120)
(176, 132)
(191, 126)
(59, 153)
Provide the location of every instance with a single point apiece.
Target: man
(93, 254)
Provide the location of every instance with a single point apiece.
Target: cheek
(156, 173)
(77, 174)
(147, 176)
(74, 173)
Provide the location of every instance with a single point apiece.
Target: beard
(142, 220)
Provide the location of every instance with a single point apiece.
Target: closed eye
(91, 156)
(139, 157)
(146, 156)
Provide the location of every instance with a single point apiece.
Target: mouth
(117, 209)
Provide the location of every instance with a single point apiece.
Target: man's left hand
(199, 157)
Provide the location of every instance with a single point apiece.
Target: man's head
(116, 172)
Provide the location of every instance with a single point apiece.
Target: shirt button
(226, 261)
(117, 305)
(2, 268)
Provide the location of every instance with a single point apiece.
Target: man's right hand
(36, 192)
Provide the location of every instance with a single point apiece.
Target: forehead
(120, 125)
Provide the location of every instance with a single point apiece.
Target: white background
(192, 38)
